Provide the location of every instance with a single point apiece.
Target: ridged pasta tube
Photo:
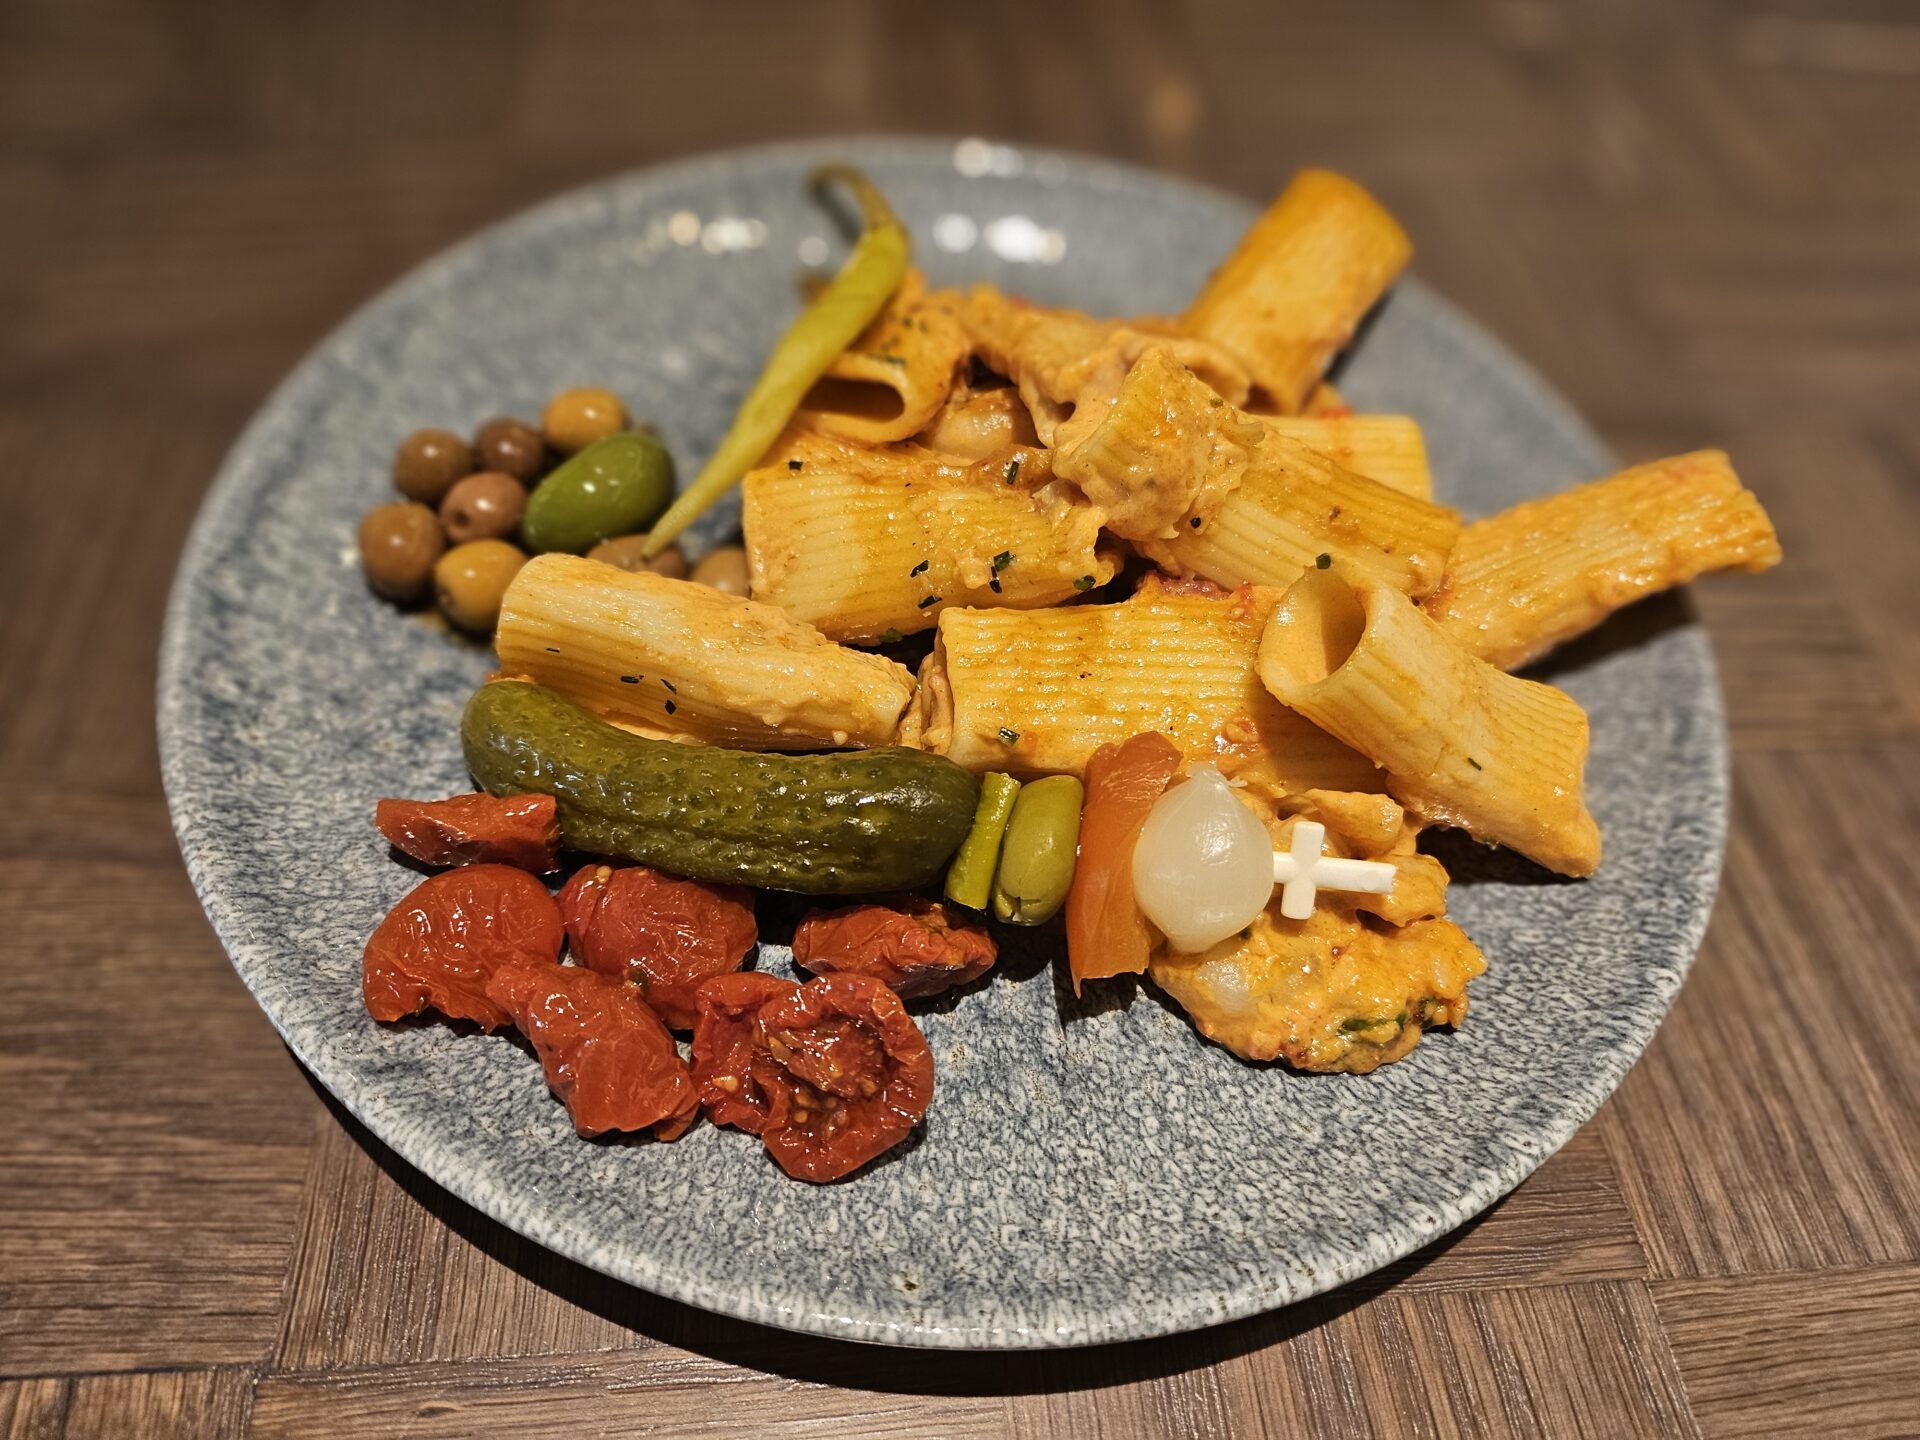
(669, 657)
(1300, 281)
(1529, 578)
(1038, 691)
(1462, 743)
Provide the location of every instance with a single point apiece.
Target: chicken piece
(1061, 358)
(1335, 992)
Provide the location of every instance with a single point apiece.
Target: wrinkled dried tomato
(518, 830)
(606, 1054)
(829, 1074)
(917, 947)
(666, 934)
(437, 948)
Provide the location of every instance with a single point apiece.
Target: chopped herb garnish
(671, 707)
(994, 584)
(889, 636)
(1002, 560)
(1085, 582)
(1475, 763)
(1194, 522)
(1013, 470)
(1010, 737)
(1215, 403)
(793, 464)
(1363, 1022)
(919, 569)
(629, 679)
(930, 600)
(553, 649)
(1323, 561)
(670, 685)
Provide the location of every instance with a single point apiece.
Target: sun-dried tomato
(917, 947)
(829, 1074)
(437, 948)
(666, 934)
(606, 1054)
(518, 830)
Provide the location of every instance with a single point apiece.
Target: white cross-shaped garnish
(1304, 870)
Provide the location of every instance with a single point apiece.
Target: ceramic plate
(1085, 1174)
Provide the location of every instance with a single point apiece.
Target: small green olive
(575, 418)
(512, 447)
(616, 486)
(486, 506)
(725, 569)
(470, 580)
(398, 545)
(427, 463)
(629, 553)
(1037, 855)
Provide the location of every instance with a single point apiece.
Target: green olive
(629, 552)
(725, 569)
(484, 506)
(427, 463)
(470, 580)
(398, 545)
(1037, 855)
(511, 447)
(616, 486)
(575, 419)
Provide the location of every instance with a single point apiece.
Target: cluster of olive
(583, 482)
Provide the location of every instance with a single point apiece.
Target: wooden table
(1701, 220)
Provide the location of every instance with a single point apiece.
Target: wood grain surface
(1701, 220)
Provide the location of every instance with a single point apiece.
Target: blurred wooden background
(1702, 220)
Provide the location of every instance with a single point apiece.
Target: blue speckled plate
(1098, 1178)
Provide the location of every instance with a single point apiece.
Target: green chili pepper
(825, 328)
(970, 877)
(1037, 857)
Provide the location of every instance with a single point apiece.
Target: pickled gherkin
(843, 824)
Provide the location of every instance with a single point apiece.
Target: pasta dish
(1131, 628)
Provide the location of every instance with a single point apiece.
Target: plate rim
(227, 491)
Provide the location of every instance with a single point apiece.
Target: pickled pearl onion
(1203, 865)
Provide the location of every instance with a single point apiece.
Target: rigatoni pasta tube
(1038, 691)
(897, 375)
(1387, 448)
(1462, 743)
(1302, 278)
(1205, 489)
(1527, 579)
(669, 657)
(859, 545)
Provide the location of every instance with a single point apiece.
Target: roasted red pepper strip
(829, 1074)
(1106, 934)
(438, 947)
(917, 947)
(606, 1054)
(666, 934)
(518, 830)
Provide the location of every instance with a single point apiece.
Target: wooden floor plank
(160, 1405)
(389, 1269)
(155, 1136)
(603, 1394)
(1829, 1354)
(33, 1409)
(1769, 1128)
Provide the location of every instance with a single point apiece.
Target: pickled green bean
(970, 877)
